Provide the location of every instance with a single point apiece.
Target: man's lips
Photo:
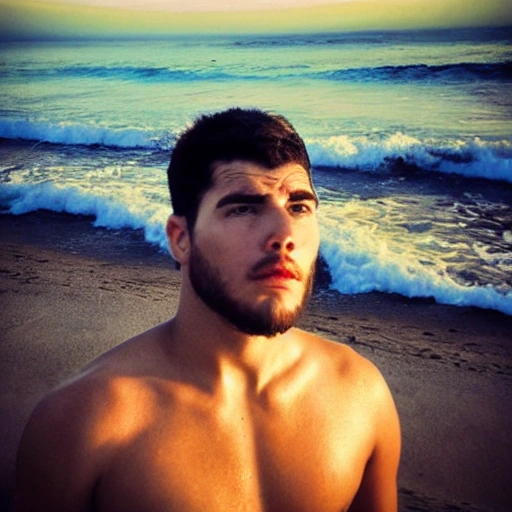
(269, 268)
(275, 272)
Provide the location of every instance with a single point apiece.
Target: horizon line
(22, 38)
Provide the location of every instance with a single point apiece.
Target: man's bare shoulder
(103, 393)
(340, 366)
(356, 390)
(75, 431)
(352, 382)
(345, 358)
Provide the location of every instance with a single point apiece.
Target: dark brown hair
(251, 135)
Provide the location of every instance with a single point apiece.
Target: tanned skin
(197, 415)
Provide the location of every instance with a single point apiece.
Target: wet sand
(69, 292)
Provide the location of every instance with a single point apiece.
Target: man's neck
(219, 352)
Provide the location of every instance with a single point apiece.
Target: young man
(226, 407)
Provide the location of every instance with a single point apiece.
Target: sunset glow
(126, 18)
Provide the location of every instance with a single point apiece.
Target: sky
(34, 19)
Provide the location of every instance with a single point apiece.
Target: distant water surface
(410, 134)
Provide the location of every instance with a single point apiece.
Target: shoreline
(70, 292)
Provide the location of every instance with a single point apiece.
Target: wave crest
(86, 135)
(474, 158)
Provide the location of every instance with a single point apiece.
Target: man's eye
(243, 209)
(300, 208)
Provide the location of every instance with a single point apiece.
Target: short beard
(267, 319)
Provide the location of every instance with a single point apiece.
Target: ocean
(409, 133)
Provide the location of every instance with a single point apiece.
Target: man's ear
(178, 238)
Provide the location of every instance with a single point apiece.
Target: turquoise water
(410, 134)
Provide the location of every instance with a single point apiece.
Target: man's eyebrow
(303, 195)
(239, 198)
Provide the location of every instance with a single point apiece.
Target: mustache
(274, 262)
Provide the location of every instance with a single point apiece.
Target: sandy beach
(70, 292)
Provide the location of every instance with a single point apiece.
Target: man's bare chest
(209, 463)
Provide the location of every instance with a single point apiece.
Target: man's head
(244, 227)
(268, 140)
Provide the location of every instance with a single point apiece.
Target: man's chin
(266, 331)
(269, 320)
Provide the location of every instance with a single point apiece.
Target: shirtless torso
(141, 431)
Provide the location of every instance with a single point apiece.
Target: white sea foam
(360, 262)
(471, 158)
(108, 212)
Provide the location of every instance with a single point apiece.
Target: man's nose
(280, 236)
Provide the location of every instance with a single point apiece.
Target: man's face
(254, 246)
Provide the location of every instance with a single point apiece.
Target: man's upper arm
(56, 468)
(378, 489)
